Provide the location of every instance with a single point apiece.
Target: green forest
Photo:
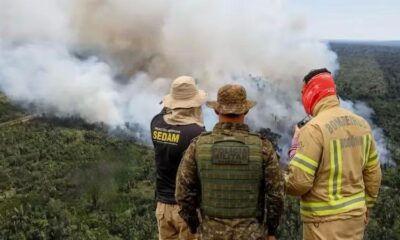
(66, 179)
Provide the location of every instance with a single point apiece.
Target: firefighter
(334, 167)
(230, 174)
(172, 130)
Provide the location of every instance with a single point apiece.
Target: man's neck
(224, 119)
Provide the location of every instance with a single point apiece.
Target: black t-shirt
(170, 142)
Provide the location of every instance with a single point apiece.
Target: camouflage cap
(231, 100)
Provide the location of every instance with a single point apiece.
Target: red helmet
(317, 85)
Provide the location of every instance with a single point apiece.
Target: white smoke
(112, 61)
(54, 80)
(366, 112)
(27, 21)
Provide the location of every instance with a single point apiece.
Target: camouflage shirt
(188, 184)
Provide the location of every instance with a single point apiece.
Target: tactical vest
(230, 169)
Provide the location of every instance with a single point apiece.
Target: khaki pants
(170, 225)
(348, 229)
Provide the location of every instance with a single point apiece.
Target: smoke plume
(366, 112)
(112, 61)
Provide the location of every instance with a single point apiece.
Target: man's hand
(366, 220)
(270, 238)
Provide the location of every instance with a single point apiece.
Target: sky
(350, 19)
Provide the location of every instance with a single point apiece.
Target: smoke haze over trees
(112, 61)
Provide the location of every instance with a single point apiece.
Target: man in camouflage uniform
(231, 175)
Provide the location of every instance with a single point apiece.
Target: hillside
(66, 179)
(8, 111)
(60, 182)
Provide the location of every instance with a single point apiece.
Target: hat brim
(231, 108)
(196, 101)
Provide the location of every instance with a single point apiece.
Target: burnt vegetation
(66, 179)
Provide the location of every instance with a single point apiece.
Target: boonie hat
(184, 94)
(232, 99)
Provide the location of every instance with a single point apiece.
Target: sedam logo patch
(168, 136)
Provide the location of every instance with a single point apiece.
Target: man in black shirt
(172, 130)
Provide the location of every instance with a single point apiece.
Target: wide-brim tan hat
(184, 94)
(231, 99)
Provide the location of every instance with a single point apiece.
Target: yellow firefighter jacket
(336, 169)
